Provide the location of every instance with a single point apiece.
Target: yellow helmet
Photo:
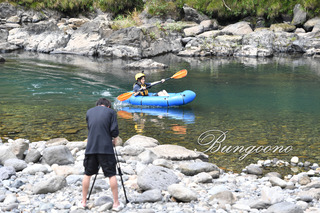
(139, 75)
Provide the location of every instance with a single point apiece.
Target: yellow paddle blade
(124, 96)
(180, 74)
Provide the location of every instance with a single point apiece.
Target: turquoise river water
(246, 103)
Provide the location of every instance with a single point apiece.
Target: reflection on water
(271, 101)
(156, 114)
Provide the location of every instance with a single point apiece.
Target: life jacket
(143, 92)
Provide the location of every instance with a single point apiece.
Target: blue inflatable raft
(174, 99)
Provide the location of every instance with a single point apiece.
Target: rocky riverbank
(46, 176)
(195, 35)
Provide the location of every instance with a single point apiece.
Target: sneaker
(118, 208)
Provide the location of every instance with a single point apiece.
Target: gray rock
(194, 168)
(143, 141)
(304, 180)
(240, 28)
(224, 197)
(76, 144)
(50, 185)
(3, 35)
(308, 26)
(156, 177)
(285, 27)
(42, 37)
(6, 153)
(84, 40)
(175, 152)
(193, 31)
(259, 204)
(191, 14)
(209, 25)
(153, 195)
(284, 207)
(147, 157)
(146, 64)
(60, 155)
(6, 172)
(13, 19)
(10, 207)
(275, 181)
(272, 195)
(163, 163)
(299, 15)
(103, 200)
(251, 51)
(19, 146)
(309, 195)
(33, 169)
(132, 150)
(254, 169)
(313, 184)
(316, 27)
(7, 10)
(74, 179)
(33, 155)
(273, 174)
(202, 177)
(57, 142)
(10, 198)
(182, 193)
(17, 164)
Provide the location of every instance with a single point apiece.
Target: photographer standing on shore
(102, 127)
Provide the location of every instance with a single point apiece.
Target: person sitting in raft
(140, 87)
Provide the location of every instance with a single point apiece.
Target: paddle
(180, 74)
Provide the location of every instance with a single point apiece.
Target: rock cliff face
(48, 32)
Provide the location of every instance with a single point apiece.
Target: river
(241, 102)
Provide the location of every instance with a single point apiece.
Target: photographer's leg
(85, 188)
(114, 189)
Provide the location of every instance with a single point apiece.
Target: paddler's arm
(157, 82)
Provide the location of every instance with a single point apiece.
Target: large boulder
(240, 28)
(156, 177)
(175, 152)
(60, 155)
(50, 185)
(33, 169)
(299, 15)
(191, 14)
(6, 153)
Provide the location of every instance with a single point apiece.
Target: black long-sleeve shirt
(102, 127)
